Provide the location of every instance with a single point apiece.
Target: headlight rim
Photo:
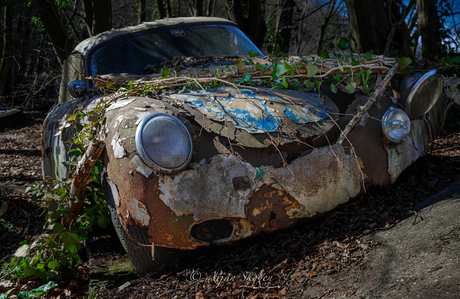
(142, 152)
(385, 122)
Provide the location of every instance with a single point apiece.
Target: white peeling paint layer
(208, 192)
(114, 190)
(139, 211)
(140, 166)
(407, 152)
(120, 103)
(118, 150)
(321, 180)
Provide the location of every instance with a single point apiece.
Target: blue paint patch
(246, 109)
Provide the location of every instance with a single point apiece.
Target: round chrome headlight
(395, 124)
(163, 141)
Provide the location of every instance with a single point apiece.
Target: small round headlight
(395, 124)
(78, 89)
(163, 141)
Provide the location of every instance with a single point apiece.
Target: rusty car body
(244, 160)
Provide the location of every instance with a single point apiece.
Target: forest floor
(330, 257)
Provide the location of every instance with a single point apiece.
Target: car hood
(259, 117)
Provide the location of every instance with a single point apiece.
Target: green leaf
(5, 295)
(130, 83)
(104, 221)
(253, 54)
(54, 265)
(28, 271)
(336, 76)
(368, 56)
(312, 70)
(281, 69)
(366, 87)
(69, 239)
(340, 67)
(239, 64)
(38, 291)
(343, 44)
(285, 83)
(23, 242)
(71, 117)
(57, 228)
(165, 73)
(456, 59)
(308, 83)
(404, 62)
(227, 69)
(354, 62)
(350, 88)
(333, 88)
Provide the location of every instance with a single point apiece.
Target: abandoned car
(189, 167)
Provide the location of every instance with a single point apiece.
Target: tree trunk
(6, 53)
(161, 9)
(284, 24)
(210, 8)
(369, 25)
(98, 15)
(322, 29)
(378, 26)
(250, 16)
(142, 11)
(428, 24)
(49, 16)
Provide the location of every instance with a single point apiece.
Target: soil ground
(364, 249)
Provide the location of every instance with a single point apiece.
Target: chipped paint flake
(118, 150)
(208, 192)
(114, 190)
(140, 166)
(407, 152)
(120, 103)
(139, 211)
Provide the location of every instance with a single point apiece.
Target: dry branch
(81, 178)
(363, 109)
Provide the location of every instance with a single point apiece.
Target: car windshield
(133, 54)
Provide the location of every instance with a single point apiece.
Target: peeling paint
(118, 150)
(208, 192)
(140, 166)
(120, 103)
(243, 229)
(139, 211)
(253, 111)
(321, 180)
(414, 146)
(114, 190)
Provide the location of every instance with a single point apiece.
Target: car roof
(88, 44)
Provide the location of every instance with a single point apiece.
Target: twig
(28, 222)
(363, 109)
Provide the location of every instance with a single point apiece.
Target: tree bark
(161, 9)
(327, 19)
(284, 24)
(98, 15)
(49, 16)
(142, 11)
(6, 51)
(378, 26)
(369, 25)
(81, 178)
(250, 16)
(428, 24)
